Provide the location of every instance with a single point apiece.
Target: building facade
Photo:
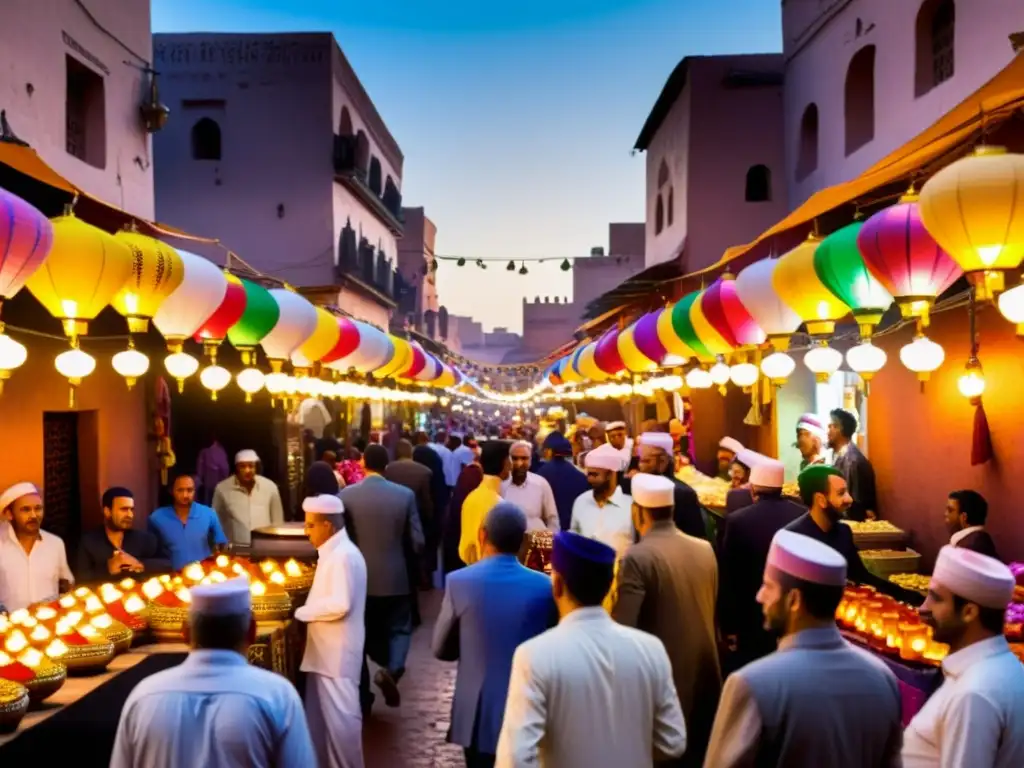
(278, 151)
(71, 87)
(711, 180)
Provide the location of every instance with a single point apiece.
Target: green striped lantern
(260, 316)
(841, 268)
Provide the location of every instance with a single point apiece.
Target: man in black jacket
(118, 548)
(966, 512)
(656, 459)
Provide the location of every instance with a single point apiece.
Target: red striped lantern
(727, 315)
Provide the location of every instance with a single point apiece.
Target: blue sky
(517, 119)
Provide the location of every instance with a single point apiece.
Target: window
(663, 217)
(85, 114)
(859, 99)
(659, 216)
(807, 153)
(374, 181)
(662, 174)
(669, 206)
(362, 152)
(759, 184)
(934, 38)
(345, 123)
(206, 140)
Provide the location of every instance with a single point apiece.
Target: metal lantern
(903, 256)
(799, 286)
(754, 288)
(85, 269)
(721, 306)
(323, 339)
(842, 270)
(157, 270)
(295, 324)
(974, 208)
(193, 302)
(258, 319)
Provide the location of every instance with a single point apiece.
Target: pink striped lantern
(25, 239)
(432, 369)
(645, 334)
(607, 356)
(417, 364)
(725, 312)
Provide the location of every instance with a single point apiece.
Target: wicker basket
(13, 705)
(905, 561)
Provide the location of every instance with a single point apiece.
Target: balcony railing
(362, 262)
(353, 170)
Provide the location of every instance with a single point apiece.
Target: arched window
(663, 208)
(934, 38)
(662, 174)
(362, 152)
(759, 184)
(807, 152)
(374, 181)
(345, 123)
(669, 206)
(860, 99)
(659, 216)
(206, 140)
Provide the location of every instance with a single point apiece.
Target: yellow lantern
(797, 284)
(713, 341)
(587, 365)
(974, 208)
(324, 338)
(399, 362)
(84, 270)
(157, 270)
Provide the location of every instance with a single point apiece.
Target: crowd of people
(657, 635)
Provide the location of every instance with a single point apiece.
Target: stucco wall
(670, 144)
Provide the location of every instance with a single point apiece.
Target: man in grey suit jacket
(418, 479)
(385, 525)
(817, 701)
(490, 608)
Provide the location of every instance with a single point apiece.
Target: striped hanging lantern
(259, 317)
(157, 270)
(606, 353)
(26, 236)
(323, 339)
(194, 302)
(721, 306)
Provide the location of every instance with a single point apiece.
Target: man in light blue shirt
(215, 710)
(188, 531)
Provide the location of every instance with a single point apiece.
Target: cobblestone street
(413, 736)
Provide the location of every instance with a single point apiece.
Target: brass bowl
(14, 702)
(50, 676)
(120, 635)
(168, 624)
(273, 606)
(88, 658)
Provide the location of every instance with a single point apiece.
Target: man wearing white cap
(976, 718)
(33, 562)
(666, 586)
(656, 458)
(334, 613)
(728, 447)
(810, 437)
(247, 500)
(214, 710)
(620, 441)
(740, 496)
(603, 513)
(817, 701)
(745, 536)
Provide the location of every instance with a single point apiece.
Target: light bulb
(215, 378)
(1011, 305)
(719, 374)
(823, 361)
(777, 367)
(250, 381)
(922, 356)
(743, 374)
(698, 378)
(972, 381)
(131, 364)
(866, 359)
(181, 365)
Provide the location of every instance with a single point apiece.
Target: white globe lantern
(719, 374)
(698, 378)
(12, 355)
(74, 365)
(866, 360)
(295, 325)
(743, 375)
(192, 303)
(181, 365)
(250, 381)
(131, 364)
(778, 367)
(1011, 305)
(214, 378)
(823, 361)
(922, 356)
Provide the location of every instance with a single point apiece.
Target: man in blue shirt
(188, 531)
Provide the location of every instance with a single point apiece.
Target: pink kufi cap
(806, 559)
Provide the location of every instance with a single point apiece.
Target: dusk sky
(516, 120)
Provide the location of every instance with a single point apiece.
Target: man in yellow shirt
(494, 459)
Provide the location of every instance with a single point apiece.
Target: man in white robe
(215, 710)
(334, 613)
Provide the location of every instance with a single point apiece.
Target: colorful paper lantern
(258, 319)
(634, 360)
(417, 362)
(754, 287)
(723, 309)
(711, 339)
(552, 375)
(974, 208)
(215, 328)
(606, 353)
(201, 292)
(903, 256)
(86, 267)
(296, 323)
(587, 364)
(682, 326)
(374, 350)
(157, 270)
(323, 339)
(26, 236)
(401, 357)
(841, 268)
(645, 334)
(669, 340)
(348, 341)
(431, 369)
(798, 285)
(569, 373)
(447, 379)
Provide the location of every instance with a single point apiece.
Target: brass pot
(49, 678)
(89, 658)
(168, 624)
(273, 606)
(14, 702)
(120, 635)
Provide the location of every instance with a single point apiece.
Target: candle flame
(194, 572)
(134, 604)
(152, 589)
(56, 649)
(39, 634)
(46, 613)
(67, 601)
(93, 604)
(31, 658)
(103, 621)
(222, 561)
(16, 642)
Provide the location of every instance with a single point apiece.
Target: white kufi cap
(975, 577)
(768, 473)
(749, 458)
(811, 423)
(248, 456)
(730, 444)
(604, 457)
(652, 491)
(661, 440)
(228, 598)
(15, 492)
(324, 504)
(614, 425)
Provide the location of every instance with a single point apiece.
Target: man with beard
(656, 458)
(566, 481)
(817, 701)
(966, 512)
(604, 512)
(728, 448)
(118, 547)
(530, 492)
(666, 586)
(810, 434)
(975, 717)
(247, 500)
(847, 458)
(33, 562)
(597, 437)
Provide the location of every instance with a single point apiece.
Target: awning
(990, 105)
